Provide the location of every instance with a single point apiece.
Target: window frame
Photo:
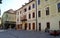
(58, 5)
(29, 8)
(29, 16)
(33, 15)
(33, 5)
(47, 11)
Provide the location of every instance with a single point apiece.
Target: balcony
(23, 18)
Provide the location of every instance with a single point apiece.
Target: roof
(26, 4)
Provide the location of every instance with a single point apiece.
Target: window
(47, 11)
(25, 26)
(48, 25)
(38, 2)
(39, 14)
(29, 16)
(29, 8)
(29, 26)
(25, 10)
(33, 26)
(39, 26)
(59, 24)
(58, 7)
(33, 5)
(33, 14)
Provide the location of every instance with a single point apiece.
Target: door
(25, 26)
(29, 26)
(33, 26)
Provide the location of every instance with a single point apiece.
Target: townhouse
(39, 15)
(9, 19)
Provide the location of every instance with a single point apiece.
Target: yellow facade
(53, 17)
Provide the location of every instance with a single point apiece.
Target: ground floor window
(39, 26)
(25, 26)
(48, 25)
(33, 25)
(29, 26)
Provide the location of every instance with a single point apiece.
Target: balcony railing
(23, 18)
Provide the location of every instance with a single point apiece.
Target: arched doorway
(33, 25)
(25, 26)
(29, 26)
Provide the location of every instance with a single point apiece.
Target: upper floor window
(33, 5)
(39, 13)
(25, 10)
(29, 16)
(58, 7)
(47, 11)
(33, 25)
(38, 2)
(29, 8)
(33, 14)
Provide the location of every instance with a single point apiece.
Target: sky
(11, 4)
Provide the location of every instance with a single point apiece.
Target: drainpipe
(36, 14)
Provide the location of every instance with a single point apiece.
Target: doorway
(33, 26)
(25, 26)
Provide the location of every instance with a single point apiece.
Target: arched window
(33, 14)
(29, 8)
(29, 16)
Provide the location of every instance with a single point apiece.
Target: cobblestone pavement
(25, 34)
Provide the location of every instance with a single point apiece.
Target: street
(24, 34)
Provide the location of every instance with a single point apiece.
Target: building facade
(9, 19)
(39, 15)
